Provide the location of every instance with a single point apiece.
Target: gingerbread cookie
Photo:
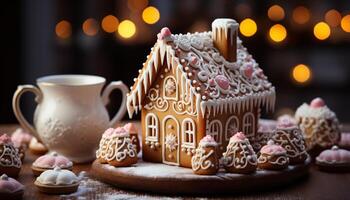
(101, 152)
(119, 151)
(132, 130)
(334, 160)
(37, 147)
(345, 141)
(290, 137)
(240, 156)
(319, 125)
(264, 134)
(57, 181)
(50, 161)
(205, 160)
(273, 157)
(10, 188)
(10, 162)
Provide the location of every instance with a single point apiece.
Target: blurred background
(303, 46)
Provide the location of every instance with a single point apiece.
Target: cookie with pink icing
(10, 161)
(345, 141)
(263, 135)
(205, 160)
(334, 160)
(50, 161)
(273, 157)
(240, 156)
(208, 140)
(132, 130)
(21, 137)
(10, 188)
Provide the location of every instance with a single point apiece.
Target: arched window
(248, 125)
(215, 130)
(152, 127)
(188, 133)
(170, 88)
(232, 127)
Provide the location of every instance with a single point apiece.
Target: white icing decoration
(171, 142)
(119, 148)
(201, 160)
(307, 111)
(239, 154)
(57, 176)
(9, 156)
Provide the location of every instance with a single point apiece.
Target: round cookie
(57, 181)
(132, 130)
(50, 161)
(10, 188)
(273, 157)
(37, 147)
(10, 162)
(205, 160)
(319, 125)
(334, 160)
(345, 141)
(240, 156)
(289, 136)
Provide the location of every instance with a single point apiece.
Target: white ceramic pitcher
(71, 115)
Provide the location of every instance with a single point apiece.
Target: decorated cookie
(286, 117)
(10, 188)
(119, 151)
(319, 125)
(50, 161)
(37, 147)
(273, 157)
(57, 181)
(101, 152)
(334, 160)
(10, 162)
(264, 134)
(205, 160)
(345, 141)
(240, 156)
(290, 137)
(132, 130)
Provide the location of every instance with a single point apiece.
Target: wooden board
(166, 179)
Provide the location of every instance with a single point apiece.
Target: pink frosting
(208, 140)
(239, 136)
(52, 160)
(334, 155)
(193, 60)
(108, 132)
(20, 137)
(317, 103)
(9, 185)
(211, 82)
(248, 70)
(345, 139)
(5, 139)
(164, 33)
(286, 121)
(272, 149)
(130, 128)
(222, 82)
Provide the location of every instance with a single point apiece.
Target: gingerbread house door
(171, 140)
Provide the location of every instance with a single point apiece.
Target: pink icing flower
(130, 128)
(317, 103)
(238, 137)
(222, 82)
(211, 82)
(272, 149)
(5, 139)
(9, 185)
(334, 155)
(164, 33)
(248, 70)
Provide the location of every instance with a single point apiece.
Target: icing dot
(182, 60)
(317, 103)
(335, 147)
(198, 88)
(164, 33)
(211, 82)
(135, 79)
(194, 81)
(204, 97)
(186, 68)
(140, 71)
(190, 74)
(162, 76)
(166, 70)
(222, 82)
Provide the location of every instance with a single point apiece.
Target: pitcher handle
(105, 98)
(17, 110)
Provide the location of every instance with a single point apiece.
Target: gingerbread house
(197, 84)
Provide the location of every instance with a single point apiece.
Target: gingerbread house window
(151, 127)
(232, 126)
(249, 124)
(170, 88)
(188, 133)
(215, 130)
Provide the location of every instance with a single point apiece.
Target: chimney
(224, 35)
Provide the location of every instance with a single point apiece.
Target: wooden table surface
(318, 185)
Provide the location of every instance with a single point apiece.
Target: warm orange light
(110, 24)
(345, 23)
(136, 5)
(332, 18)
(301, 15)
(322, 31)
(301, 73)
(248, 27)
(275, 13)
(90, 27)
(150, 15)
(63, 29)
(278, 33)
(126, 29)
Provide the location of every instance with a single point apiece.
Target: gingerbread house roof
(217, 84)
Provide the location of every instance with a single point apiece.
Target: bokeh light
(278, 33)
(276, 13)
(150, 15)
(63, 29)
(136, 5)
(345, 23)
(110, 24)
(332, 18)
(248, 27)
(301, 73)
(322, 31)
(126, 29)
(301, 15)
(90, 27)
